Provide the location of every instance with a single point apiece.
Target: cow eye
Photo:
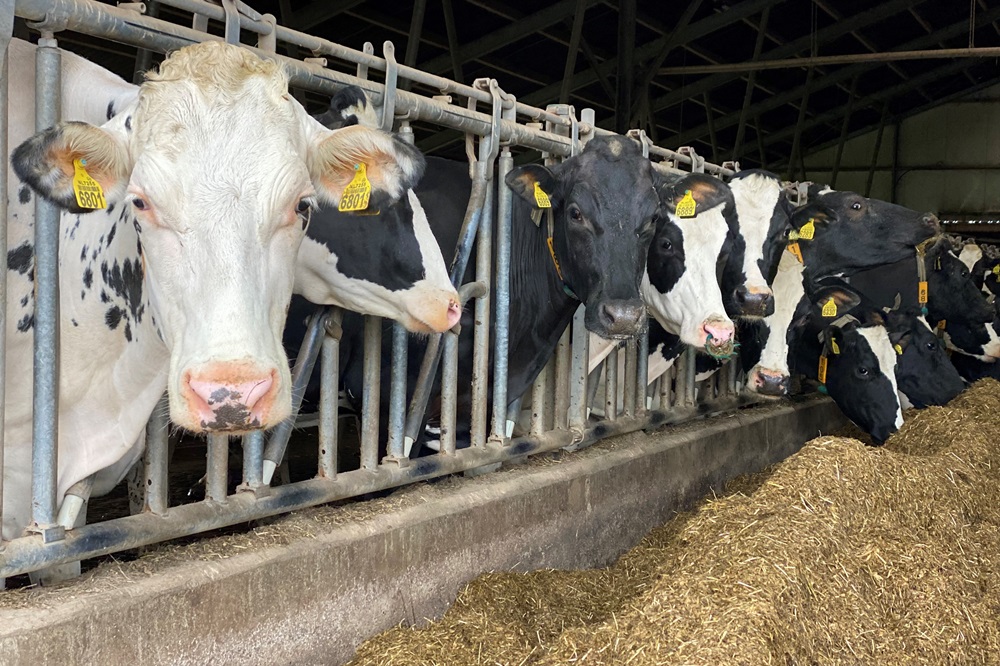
(304, 206)
(575, 214)
(863, 371)
(932, 345)
(666, 245)
(856, 205)
(139, 204)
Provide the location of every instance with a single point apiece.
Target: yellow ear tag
(996, 270)
(808, 230)
(793, 235)
(834, 347)
(942, 324)
(88, 191)
(687, 206)
(830, 308)
(796, 250)
(922, 292)
(357, 192)
(541, 198)
(899, 349)
(822, 370)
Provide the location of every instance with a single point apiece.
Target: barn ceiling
(639, 63)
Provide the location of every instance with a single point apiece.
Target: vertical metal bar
(449, 393)
(217, 468)
(642, 372)
(539, 391)
(232, 21)
(144, 57)
(329, 404)
(751, 83)
(397, 390)
(611, 386)
(711, 127)
(666, 384)
(877, 148)
(688, 358)
(894, 171)
(579, 406)
(843, 132)
(389, 97)
(574, 47)
(629, 380)
(413, 37)
(6, 31)
(253, 460)
(157, 458)
(501, 333)
(563, 357)
(372, 390)
(45, 399)
(367, 49)
(481, 332)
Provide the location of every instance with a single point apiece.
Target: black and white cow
(180, 281)
(603, 206)
(983, 262)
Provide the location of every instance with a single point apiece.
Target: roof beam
(694, 31)
(841, 75)
(803, 43)
(319, 12)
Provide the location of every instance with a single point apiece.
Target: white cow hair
(788, 292)
(696, 298)
(756, 197)
(971, 253)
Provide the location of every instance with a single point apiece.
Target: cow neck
(550, 243)
(540, 310)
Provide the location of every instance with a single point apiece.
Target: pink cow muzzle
(230, 397)
(718, 337)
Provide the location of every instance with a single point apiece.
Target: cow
(975, 347)
(983, 263)
(588, 246)
(179, 279)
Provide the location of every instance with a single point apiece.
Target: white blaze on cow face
(692, 308)
(429, 305)
(756, 197)
(772, 369)
(971, 253)
(878, 341)
(220, 168)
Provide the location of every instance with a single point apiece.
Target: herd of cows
(219, 198)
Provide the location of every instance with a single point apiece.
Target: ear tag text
(541, 198)
(687, 206)
(821, 371)
(357, 192)
(808, 230)
(830, 308)
(796, 250)
(922, 292)
(88, 191)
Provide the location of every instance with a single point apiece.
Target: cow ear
(349, 106)
(392, 166)
(523, 179)
(835, 301)
(808, 221)
(833, 340)
(47, 163)
(706, 191)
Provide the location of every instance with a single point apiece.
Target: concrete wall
(932, 144)
(314, 599)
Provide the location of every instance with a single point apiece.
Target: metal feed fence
(562, 395)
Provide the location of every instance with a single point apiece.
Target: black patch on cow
(128, 331)
(113, 317)
(74, 322)
(111, 234)
(125, 280)
(24, 301)
(83, 253)
(111, 208)
(111, 110)
(83, 295)
(21, 258)
(88, 277)
(128, 123)
(27, 323)
(104, 297)
(24, 194)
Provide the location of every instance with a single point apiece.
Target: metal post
(370, 397)
(481, 332)
(574, 47)
(579, 405)
(449, 393)
(539, 399)
(6, 32)
(797, 137)
(711, 126)
(45, 401)
(877, 148)
(843, 132)
(666, 383)
(253, 460)
(329, 405)
(397, 391)
(629, 381)
(611, 386)
(501, 332)
(217, 468)
(452, 34)
(157, 458)
(642, 371)
(563, 358)
(413, 36)
(751, 83)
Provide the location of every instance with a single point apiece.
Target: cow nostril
(741, 294)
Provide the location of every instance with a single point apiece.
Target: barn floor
(309, 588)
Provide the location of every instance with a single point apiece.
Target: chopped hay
(841, 554)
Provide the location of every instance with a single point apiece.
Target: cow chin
(432, 310)
(230, 396)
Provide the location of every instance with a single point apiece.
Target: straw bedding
(842, 554)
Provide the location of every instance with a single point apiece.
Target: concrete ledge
(313, 600)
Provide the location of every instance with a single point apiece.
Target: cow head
(843, 233)
(681, 284)
(952, 293)
(383, 262)
(220, 168)
(924, 374)
(979, 340)
(763, 214)
(860, 375)
(603, 206)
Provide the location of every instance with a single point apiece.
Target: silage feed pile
(842, 554)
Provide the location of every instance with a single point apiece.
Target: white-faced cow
(210, 171)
